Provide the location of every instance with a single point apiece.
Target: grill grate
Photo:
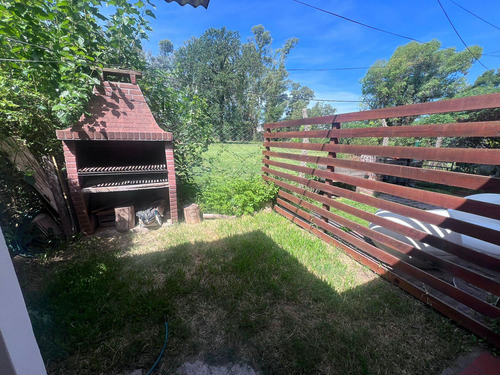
(132, 182)
(128, 168)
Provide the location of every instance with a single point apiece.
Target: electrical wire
(475, 15)
(287, 97)
(32, 61)
(27, 44)
(325, 69)
(460, 37)
(357, 22)
(171, 67)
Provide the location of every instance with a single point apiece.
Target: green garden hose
(162, 351)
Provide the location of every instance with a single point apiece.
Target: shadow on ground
(240, 299)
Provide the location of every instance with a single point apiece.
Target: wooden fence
(465, 284)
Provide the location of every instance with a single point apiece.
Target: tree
(244, 84)
(207, 66)
(276, 83)
(181, 113)
(417, 73)
(299, 99)
(321, 109)
(166, 47)
(58, 46)
(487, 83)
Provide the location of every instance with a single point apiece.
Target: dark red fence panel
(436, 230)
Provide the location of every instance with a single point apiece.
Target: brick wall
(77, 197)
(172, 190)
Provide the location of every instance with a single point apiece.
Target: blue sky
(329, 42)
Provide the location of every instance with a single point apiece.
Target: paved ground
(477, 362)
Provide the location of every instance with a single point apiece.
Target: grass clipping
(254, 290)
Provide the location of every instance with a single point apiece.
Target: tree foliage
(57, 46)
(417, 73)
(245, 84)
(180, 112)
(487, 83)
(166, 47)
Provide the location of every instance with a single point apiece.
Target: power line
(27, 44)
(335, 100)
(325, 69)
(357, 22)
(283, 96)
(491, 53)
(458, 34)
(475, 15)
(32, 61)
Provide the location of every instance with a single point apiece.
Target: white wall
(15, 325)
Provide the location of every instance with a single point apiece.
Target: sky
(328, 42)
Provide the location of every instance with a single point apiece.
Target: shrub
(236, 196)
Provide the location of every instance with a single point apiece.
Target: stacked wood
(24, 161)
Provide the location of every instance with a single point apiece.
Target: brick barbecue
(117, 154)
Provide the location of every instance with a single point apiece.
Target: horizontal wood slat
(452, 105)
(418, 292)
(404, 248)
(398, 264)
(437, 199)
(470, 229)
(464, 129)
(462, 155)
(464, 180)
(460, 251)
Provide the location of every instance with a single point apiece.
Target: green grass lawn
(237, 159)
(230, 159)
(256, 290)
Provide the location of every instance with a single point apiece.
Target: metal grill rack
(117, 170)
(127, 185)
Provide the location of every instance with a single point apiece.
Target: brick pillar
(172, 190)
(75, 190)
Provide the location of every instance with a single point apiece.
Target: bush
(236, 196)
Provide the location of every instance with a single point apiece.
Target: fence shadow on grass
(242, 298)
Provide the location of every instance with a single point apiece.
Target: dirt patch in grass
(254, 290)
